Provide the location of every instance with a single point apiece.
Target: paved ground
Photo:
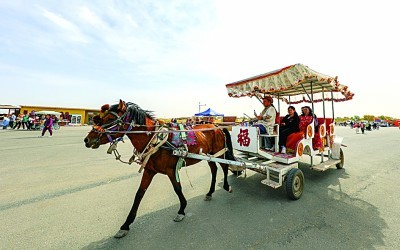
(56, 194)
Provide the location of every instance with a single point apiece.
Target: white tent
(48, 112)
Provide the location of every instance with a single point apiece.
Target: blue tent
(209, 112)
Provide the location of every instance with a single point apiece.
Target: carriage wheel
(340, 165)
(294, 183)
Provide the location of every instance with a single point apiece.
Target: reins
(158, 132)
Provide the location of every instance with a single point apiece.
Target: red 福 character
(243, 137)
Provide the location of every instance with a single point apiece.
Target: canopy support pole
(279, 105)
(312, 97)
(305, 91)
(323, 101)
(333, 109)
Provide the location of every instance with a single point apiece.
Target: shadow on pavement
(256, 216)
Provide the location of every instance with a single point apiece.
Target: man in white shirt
(267, 120)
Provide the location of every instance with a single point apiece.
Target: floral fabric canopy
(293, 84)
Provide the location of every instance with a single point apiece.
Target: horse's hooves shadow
(121, 234)
(179, 217)
(207, 198)
(106, 243)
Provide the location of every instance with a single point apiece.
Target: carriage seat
(278, 120)
(328, 122)
(294, 138)
(323, 130)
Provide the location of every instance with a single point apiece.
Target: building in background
(69, 116)
(9, 109)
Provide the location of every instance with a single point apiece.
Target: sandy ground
(57, 194)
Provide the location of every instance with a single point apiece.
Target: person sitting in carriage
(289, 125)
(266, 121)
(306, 118)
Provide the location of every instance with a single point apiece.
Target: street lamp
(201, 105)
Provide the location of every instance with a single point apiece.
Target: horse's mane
(134, 113)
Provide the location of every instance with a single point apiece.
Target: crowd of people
(29, 122)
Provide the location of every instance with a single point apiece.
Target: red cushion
(293, 138)
(277, 118)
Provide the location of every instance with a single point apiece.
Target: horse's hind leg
(213, 168)
(178, 190)
(144, 184)
(226, 184)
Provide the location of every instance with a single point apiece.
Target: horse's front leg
(178, 190)
(144, 184)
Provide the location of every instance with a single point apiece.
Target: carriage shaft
(185, 154)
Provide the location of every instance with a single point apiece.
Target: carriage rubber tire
(237, 172)
(294, 183)
(340, 165)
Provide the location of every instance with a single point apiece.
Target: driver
(266, 121)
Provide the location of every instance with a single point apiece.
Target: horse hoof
(230, 189)
(207, 198)
(179, 217)
(121, 233)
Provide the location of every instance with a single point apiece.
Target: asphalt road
(56, 194)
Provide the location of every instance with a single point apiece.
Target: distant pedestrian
(25, 120)
(12, 120)
(31, 121)
(48, 125)
(6, 121)
(18, 121)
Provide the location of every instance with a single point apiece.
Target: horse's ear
(96, 119)
(121, 106)
(104, 108)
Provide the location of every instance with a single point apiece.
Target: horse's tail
(229, 154)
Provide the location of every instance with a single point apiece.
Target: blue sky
(167, 56)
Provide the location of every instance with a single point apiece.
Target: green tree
(369, 118)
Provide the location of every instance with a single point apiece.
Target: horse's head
(108, 119)
(115, 118)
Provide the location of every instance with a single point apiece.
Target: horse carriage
(293, 85)
(156, 152)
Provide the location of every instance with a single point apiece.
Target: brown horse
(140, 127)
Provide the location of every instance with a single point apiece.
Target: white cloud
(87, 15)
(71, 31)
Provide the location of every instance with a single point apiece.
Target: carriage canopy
(293, 84)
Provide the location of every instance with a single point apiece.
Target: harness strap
(219, 153)
(151, 150)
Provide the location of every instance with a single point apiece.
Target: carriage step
(325, 165)
(271, 183)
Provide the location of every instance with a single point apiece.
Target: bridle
(114, 125)
(117, 126)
